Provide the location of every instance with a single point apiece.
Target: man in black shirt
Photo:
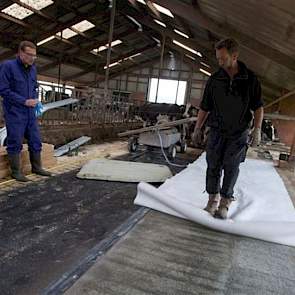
(231, 96)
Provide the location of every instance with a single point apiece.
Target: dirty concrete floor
(165, 255)
(47, 226)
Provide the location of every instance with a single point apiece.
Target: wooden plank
(158, 127)
(278, 117)
(47, 158)
(280, 99)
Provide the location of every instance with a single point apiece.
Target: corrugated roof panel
(269, 22)
(65, 71)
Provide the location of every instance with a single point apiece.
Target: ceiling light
(132, 56)
(141, 1)
(181, 34)
(160, 23)
(111, 65)
(114, 43)
(45, 40)
(202, 63)
(189, 56)
(187, 48)
(136, 22)
(205, 72)
(157, 40)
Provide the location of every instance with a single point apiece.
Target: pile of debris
(47, 157)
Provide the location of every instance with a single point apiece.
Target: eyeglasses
(34, 56)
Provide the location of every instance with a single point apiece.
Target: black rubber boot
(35, 159)
(16, 173)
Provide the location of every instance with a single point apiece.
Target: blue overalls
(17, 84)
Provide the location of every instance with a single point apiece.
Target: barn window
(168, 91)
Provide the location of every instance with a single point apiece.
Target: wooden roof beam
(15, 20)
(69, 55)
(280, 99)
(92, 68)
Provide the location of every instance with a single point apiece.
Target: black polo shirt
(231, 102)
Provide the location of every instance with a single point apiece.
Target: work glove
(197, 137)
(38, 109)
(255, 137)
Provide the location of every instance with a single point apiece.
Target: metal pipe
(292, 152)
(113, 12)
(59, 70)
(178, 78)
(96, 72)
(161, 65)
(176, 91)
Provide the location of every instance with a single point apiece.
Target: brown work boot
(223, 208)
(212, 204)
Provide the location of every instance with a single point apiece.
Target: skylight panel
(66, 34)
(83, 26)
(20, 12)
(17, 11)
(37, 4)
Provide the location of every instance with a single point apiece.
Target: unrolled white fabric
(262, 210)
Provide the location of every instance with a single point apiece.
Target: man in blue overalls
(18, 87)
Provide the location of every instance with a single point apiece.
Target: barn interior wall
(137, 81)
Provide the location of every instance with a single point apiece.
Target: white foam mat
(114, 170)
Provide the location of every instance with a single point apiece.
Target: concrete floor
(49, 226)
(166, 255)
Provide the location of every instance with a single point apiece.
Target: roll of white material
(263, 209)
